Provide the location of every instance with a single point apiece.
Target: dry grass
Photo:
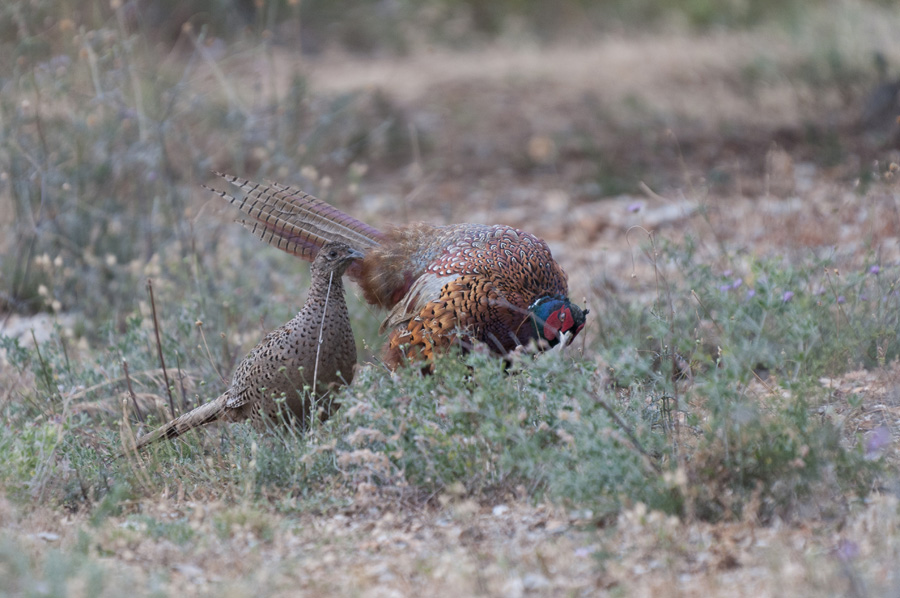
(462, 548)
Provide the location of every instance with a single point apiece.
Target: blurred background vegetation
(392, 25)
(113, 112)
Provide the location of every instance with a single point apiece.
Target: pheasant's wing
(264, 381)
(238, 396)
(252, 373)
(241, 392)
(467, 308)
(426, 289)
(448, 302)
(472, 280)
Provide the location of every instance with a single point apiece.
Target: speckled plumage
(315, 348)
(442, 284)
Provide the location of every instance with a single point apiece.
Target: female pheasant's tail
(204, 414)
(296, 222)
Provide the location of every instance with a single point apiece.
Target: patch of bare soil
(465, 549)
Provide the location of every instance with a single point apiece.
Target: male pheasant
(442, 284)
(301, 361)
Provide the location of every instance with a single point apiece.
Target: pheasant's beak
(564, 339)
(355, 254)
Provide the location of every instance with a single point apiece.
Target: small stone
(534, 581)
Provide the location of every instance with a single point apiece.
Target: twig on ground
(131, 391)
(159, 351)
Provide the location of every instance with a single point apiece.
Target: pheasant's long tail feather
(204, 414)
(296, 222)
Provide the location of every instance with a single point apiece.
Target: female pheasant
(442, 284)
(295, 364)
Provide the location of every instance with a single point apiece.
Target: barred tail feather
(296, 222)
(204, 414)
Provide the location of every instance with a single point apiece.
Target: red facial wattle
(558, 322)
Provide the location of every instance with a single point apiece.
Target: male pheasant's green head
(554, 316)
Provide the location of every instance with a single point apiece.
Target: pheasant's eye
(332, 253)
